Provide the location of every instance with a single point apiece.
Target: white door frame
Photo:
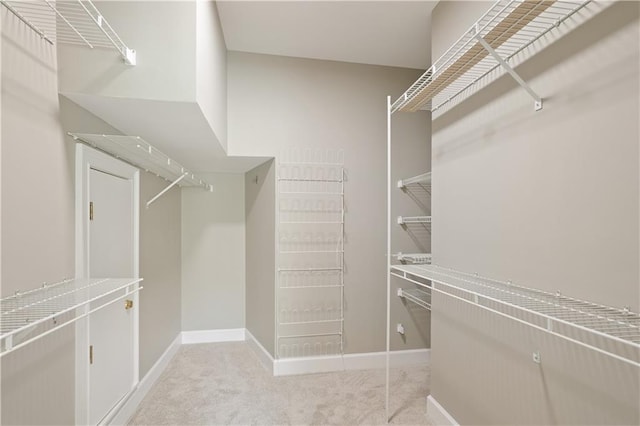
(88, 158)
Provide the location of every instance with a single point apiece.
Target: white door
(111, 244)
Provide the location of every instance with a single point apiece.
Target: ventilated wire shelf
(419, 297)
(414, 258)
(310, 252)
(70, 22)
(509, 27)
(612, 331)
(140, 153)
(29, 315)
(423, 179)
(403, 220)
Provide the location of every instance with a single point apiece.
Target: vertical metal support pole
(342, 265)
(276, 260)
(388, 254)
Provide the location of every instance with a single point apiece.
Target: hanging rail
(139, 153)
(70, 22)
(505, 30)
(607, 330)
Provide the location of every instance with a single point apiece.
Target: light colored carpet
(223, 383)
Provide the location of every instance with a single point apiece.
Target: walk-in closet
(319, 212)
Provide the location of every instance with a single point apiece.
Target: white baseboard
(213, 336)
(438, 415)
(280, 367)
(129, 407)
(263, 355)
(363, 361)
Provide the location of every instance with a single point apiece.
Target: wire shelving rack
(508, 34)
(608, 330)
(310, 253)
(70, 21)
(140, 153)
(30, 315)
(508, 28)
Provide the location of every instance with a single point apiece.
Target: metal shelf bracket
(171, 185)
(537, 100)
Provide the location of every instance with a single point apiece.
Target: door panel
(111, 230)
(110, 328)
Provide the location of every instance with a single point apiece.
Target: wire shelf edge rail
(553, 311)
(507, 28)
(24, 312)
(140, 153)
(70, 22)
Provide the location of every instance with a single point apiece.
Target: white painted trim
(130, 405)
(437, 415)
(362, 361)
(86, 159)
(264, 356)
(213, 336)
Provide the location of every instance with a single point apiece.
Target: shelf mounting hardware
(171, 185)
(537, 100)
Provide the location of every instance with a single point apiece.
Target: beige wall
(211, 68)
(213, 254)
(162, 32)
(159, 247)
(277, 103)
(38, 229)
(548, 199)
(160, 266)
(260, 217)
(37, 222)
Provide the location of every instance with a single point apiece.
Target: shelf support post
(161, 193)
(537, 99)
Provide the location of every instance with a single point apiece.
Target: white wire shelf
(309, 269)
(311, 194)
(504, 31)
(320, 321)
(312, 222)
(309, 180)
(297, 336)
(312, 252)
(30, 315)
(288, 287)
(140, 153)
(419, 297)
(608, 330)
(424, 178)
(70, 22)
(402, 220)
(414, 258)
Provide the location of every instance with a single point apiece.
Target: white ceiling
(392, 33)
